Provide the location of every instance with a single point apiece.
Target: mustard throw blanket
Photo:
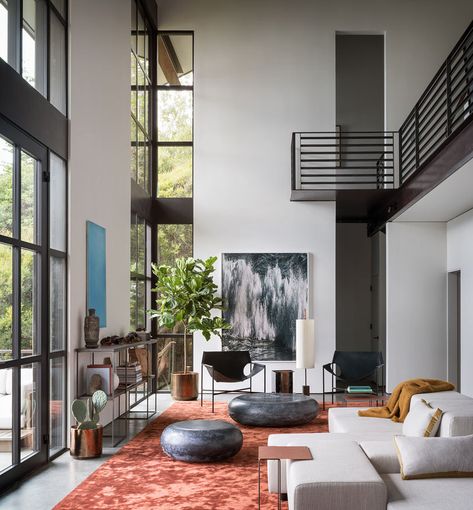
(397, 406)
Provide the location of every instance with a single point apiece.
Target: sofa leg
(283, 496)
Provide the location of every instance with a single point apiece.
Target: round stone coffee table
(273, 409)
(201, 440)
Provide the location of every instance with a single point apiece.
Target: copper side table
(279, 453)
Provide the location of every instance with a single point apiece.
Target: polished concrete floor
(46, 488)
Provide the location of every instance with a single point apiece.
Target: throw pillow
(422, 420)
(435, 457)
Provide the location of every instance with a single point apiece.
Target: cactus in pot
(86, 437)
(87, 412)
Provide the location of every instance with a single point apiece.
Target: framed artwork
(97, 271)
(106, 374)
(264, 294)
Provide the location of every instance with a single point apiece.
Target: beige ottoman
(340, 477)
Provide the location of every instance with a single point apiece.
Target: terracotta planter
(86, 444)
(184, 385)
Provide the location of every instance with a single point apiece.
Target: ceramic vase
(91, 330)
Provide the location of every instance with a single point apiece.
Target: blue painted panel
(97, 271)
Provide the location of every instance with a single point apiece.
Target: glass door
(27, 320)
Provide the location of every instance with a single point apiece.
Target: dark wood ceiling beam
(166, 62)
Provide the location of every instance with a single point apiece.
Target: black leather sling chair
(228, 367)
(354, 367)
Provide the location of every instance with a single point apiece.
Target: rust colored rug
(140, 476)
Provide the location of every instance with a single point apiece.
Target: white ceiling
(449, 199)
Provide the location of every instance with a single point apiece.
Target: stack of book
(360, 389)
(129, 373)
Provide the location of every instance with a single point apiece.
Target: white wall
(460, 257)
(416, 281)
(99, 158)
(265, 69)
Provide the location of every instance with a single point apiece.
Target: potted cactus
(86, 436)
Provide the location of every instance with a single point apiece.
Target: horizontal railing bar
(343, 137)
(454, 70)
(341, 176)
(410, 152)
(468, 76)
(440, 102)
(458, 98)
(427, 129)
(408, 161)
(441, 74)
(345, 152)
(442, 126)
(439, 89)
(464, 113)
(337, 160)
(338, 145)
(410, 127)
(337, 133)
(410, 118)
(333, 167)
(461, 103)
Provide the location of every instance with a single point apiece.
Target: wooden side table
(279, 453)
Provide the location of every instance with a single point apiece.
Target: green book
(360, 389)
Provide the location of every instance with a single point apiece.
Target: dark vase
(91, 330)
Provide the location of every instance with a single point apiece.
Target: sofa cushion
(422, 420)
(447, 494)
(439, 396)
(3, 381)
(346, 419)
(339, 476)
(9, 381)
(383, 455)
(435, 457)
(294, 439)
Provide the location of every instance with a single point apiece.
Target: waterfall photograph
(264, 294)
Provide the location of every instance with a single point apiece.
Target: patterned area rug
(141, 476)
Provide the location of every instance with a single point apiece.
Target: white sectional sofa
(358, 456)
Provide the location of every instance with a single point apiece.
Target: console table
(134, 393)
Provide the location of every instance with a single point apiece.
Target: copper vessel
(184, 385)
(87, 443)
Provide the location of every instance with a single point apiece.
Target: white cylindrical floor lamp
(305, 348)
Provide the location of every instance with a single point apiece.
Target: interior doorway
(454, 330)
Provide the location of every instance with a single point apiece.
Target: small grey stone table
(201, 440)
(273, 409)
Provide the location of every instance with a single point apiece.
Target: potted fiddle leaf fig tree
(187, 295)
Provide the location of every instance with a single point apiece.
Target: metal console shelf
(134, 393)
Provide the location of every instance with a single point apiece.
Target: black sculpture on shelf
(228, 367)
(354, 367)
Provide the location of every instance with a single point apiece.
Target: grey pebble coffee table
(201, 440)
(273, 409)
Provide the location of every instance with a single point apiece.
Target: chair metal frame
(212, 391)
(331, 368)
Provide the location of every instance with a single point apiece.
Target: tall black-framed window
(175, 114)
(141, 117)
(33, 245)
(174, 172)
(33, 40)
(33, 234)
(140, 273)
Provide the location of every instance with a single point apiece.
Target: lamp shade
(305, 343)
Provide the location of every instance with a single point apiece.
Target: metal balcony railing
(337, 160)
(386, 160)
(442, 110)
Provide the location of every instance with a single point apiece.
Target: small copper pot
(184, 385)
(87, 443)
